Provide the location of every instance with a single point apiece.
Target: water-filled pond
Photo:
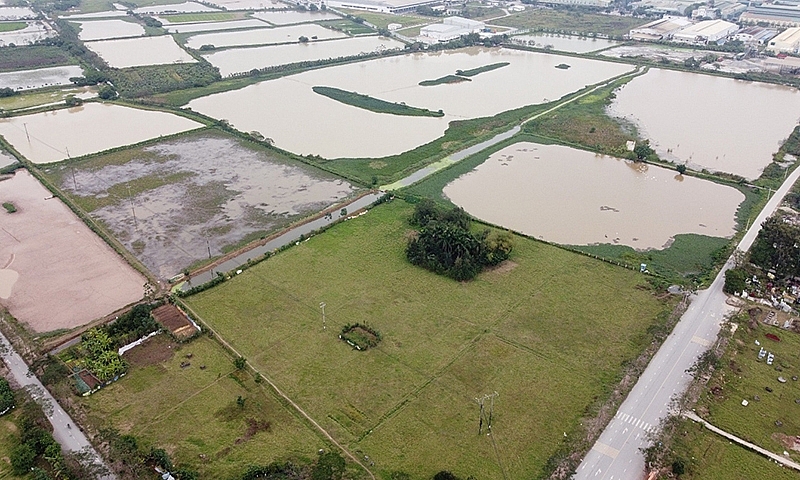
(569, 196)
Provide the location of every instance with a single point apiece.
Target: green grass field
(12, 26)
(192, 412)
(34, 56)
(571, 22)
(585, 123)
(25, 100)
(708, 456)
(548, 331)
(205, 17)
(347, 26)
(8, 439)
(94, 6)
(382, 20)
(743, 376)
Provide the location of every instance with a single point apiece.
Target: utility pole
(135, 224)
(26, 131)
(208, 245)
(482, 415)
(322, 306)
(74, 183)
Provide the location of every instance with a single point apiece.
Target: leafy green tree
(107, 92)
(777, 247)
(6, 395)
(735, 281)
(329, 466)
(681, 168)
(240, 363)
(22, 458)
(643, 150)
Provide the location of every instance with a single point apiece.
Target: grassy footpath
(707, 456)
(193, 412)
(549, 332)
(571, 21)
(374, 104)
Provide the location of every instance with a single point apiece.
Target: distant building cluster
(450, 29)
(383, 6)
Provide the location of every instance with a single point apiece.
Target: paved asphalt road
(616, 455)
(65, 432)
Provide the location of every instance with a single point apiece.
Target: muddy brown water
(710, 122)
(245, 59)
(53, 136)
(136, 52)
(220, 192)
(574, 197)
(341, 130)
(263, 36)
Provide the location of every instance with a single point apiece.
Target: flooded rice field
(6, 159)
(16, 13)
(213, 26)
(51, 262)
(96, 15)
(293, 16)
(56, 135)
(34, 32)
(563, 43)
(710, 122)
(106, 29)
(136, 52)
(245, 59)
(264, 36)
(185, 7)
(574, 197)
(196, 195)
(40, 77)
(247, 4)
(530, 78)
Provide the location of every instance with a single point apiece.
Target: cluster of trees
(7, 400)
(36, 452)
(136, 460)
(101, 354)
(329, 466)
(777, 247)
(446, 245)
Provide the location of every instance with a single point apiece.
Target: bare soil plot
(175, 320)
(63, 275)
(195, 196)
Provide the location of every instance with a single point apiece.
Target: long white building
(661, 29)
(787, 41)
(382, 6)
(450, 29)
(709, 31)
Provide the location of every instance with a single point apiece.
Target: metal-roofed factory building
(787, 41)
(709, 31)
(661, 29)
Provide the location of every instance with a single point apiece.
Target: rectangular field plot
(60, 134)
(293, 16)
(245, 59)
(213, 26)
(185, 7)
(42, 77)
(548, 331)
(135, 52)
(248, 4)
(263, 36)
(105, 29)
(55, 273)
(195, 195)
(192, 411)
